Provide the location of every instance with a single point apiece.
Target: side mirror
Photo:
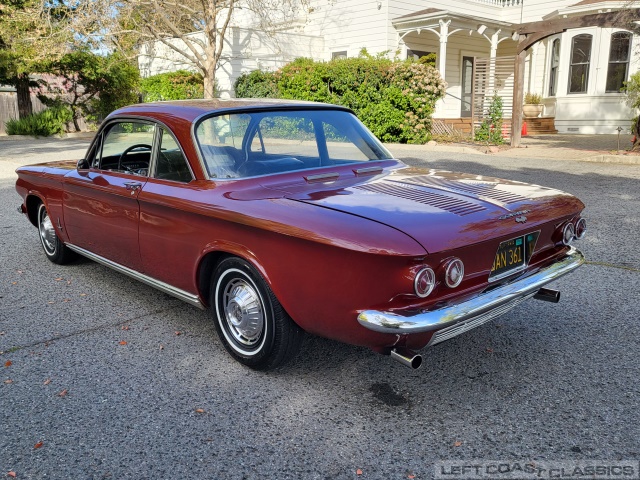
(83, 164)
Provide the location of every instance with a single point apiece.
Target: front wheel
(251, 323)
(54, 249)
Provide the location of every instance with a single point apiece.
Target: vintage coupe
(291, 217)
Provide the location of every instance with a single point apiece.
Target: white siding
(244, 50)
(534, 10)
(350, 25)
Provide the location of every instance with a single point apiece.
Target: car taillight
(568, 233)
(581, 228)
(425, 282)
(454, 272)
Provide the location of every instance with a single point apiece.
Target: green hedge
(42, 124)
(394, 99)
(178, 85)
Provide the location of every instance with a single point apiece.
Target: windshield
(239, 145)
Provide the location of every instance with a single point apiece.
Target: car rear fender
(212, 255)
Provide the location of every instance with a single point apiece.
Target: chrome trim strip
(322, 177)
(484, 306)
(164, 287)
(367, 170)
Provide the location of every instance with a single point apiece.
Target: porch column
(532, 67)
(442, 55)
(495, 40)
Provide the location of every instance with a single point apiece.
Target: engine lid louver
(478, 189)
(417, 194)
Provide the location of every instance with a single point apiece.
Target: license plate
(513, 256)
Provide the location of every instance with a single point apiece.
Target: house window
(618, 61)
(579, 68)
(553, 71)
(340, 54)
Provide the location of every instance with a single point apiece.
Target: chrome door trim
(162, 286)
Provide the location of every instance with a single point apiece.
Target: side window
(553, 69)
(127, 148)
(579, 67)
(171, 163)
(220, 140)
(618, 61)
(96, 152)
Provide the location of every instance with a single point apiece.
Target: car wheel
(251, 323)
(54, 249)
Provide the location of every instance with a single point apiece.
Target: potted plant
(532, 105)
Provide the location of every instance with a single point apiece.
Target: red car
(291, 217)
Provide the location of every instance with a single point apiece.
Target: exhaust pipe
(548, 295)
(407, 358)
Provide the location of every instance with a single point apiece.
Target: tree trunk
(210, 84)
(24, 96)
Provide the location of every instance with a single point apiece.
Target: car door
(169, 226)
(101, 209)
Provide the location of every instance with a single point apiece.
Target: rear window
(242, 145)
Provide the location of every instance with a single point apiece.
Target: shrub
(632, 89)
(42, 124)
(395, 100)
(490, 131)
(178, 85)
(257, 84)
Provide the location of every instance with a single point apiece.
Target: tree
(194, 30)
(30, 31)
(91, 85)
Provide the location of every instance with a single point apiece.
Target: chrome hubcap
(47, 233)
(243, 312)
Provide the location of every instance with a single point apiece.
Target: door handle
(133, 187)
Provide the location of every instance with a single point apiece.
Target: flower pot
(530, 110)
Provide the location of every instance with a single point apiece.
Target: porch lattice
(493, 75)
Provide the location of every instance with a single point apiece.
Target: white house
(578, 70)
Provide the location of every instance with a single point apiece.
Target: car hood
(441, 210)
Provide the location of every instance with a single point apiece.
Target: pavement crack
(612, 265)
(86, 330)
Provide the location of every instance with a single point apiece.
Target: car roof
(189, 110)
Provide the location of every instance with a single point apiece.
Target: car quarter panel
(320, 263)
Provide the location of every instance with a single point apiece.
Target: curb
(64, 136)
(620, 159)
(602, 158)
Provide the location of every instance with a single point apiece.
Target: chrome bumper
(476, 311)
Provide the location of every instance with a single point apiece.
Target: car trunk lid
(439, 209)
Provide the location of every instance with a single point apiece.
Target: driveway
(104, 378)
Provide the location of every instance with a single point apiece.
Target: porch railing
(500, 3)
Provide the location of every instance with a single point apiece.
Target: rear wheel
(251, 323)
(54, 249)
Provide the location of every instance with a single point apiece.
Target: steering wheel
(127, 151)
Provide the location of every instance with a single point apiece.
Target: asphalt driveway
(103, 378)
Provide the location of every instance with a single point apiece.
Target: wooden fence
(9, 110)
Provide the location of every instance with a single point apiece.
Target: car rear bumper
(471, 313)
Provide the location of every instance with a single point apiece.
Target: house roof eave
(431, 19)
(582, 8)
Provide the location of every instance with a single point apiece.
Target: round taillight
(568, 233)
(425, 282)
(581, 228)
(454, 273)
